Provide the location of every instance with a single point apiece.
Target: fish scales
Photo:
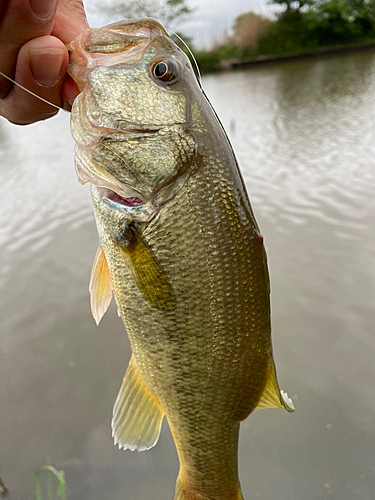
(187, 266)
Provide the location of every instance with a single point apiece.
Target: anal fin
(100, 286)
(137, 415)
(271, 396)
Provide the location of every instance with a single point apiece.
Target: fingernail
(43, 9)
(45, 65)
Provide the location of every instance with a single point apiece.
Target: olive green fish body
(186, 263)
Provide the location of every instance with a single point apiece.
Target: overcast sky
(211, 17)
(209, 20)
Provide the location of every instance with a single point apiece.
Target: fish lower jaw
(103, 183)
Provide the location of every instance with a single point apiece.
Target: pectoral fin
(145, 270)
(100, 286)
(272, 397)
(137, 415)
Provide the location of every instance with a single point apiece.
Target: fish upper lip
(110, 132)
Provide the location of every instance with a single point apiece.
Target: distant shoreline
(231, 64)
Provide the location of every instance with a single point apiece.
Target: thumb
(41, 66)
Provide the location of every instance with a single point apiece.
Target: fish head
(131, 121)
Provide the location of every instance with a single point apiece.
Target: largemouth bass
(179, 248)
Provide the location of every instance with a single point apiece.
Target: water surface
(303, 134)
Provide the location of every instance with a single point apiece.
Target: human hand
(33, 34)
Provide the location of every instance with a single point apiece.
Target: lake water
(304, 136)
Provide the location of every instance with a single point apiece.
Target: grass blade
(61, 483)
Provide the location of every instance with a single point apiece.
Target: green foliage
(293, 5)
(287, 35)
(341, 21)
(228, 52)
(50, 472)
(307, 24)
(207, 59)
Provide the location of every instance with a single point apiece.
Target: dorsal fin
(272, 397)
(100, 286)
(137, 414)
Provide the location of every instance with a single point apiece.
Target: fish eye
(165, 71)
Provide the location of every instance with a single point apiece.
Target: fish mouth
(140, 131)
(115, 200)
(129, 206)
(116, 134)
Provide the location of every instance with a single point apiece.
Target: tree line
(301, 25)
(308, 24)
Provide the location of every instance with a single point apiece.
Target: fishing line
(190, 52)
(32, 93)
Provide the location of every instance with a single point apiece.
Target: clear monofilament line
(32, 93)
(190, 52)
